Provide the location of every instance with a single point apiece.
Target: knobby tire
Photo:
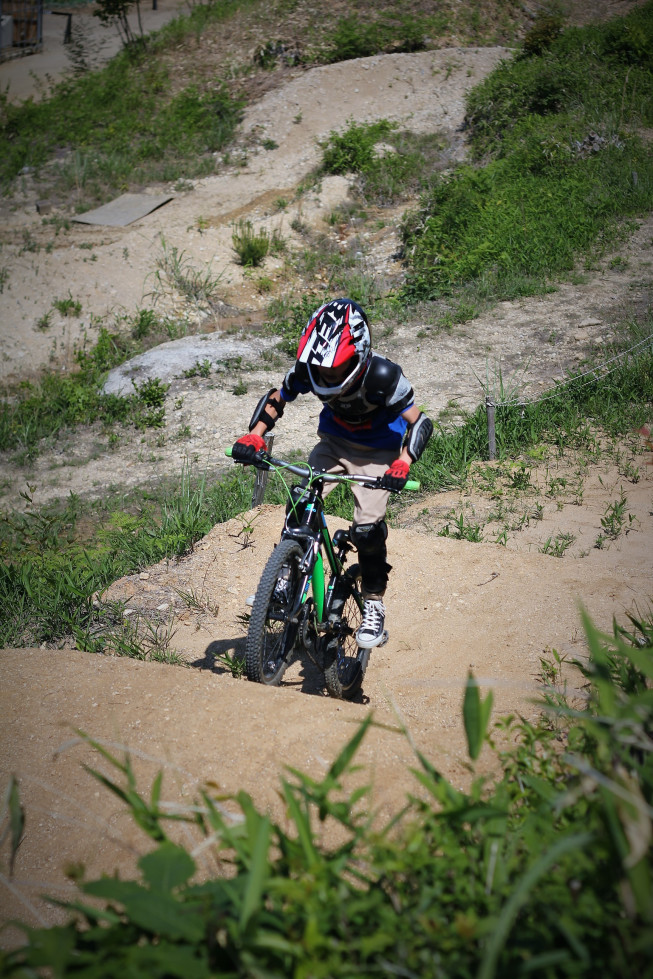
(271, 638)
(344, 662)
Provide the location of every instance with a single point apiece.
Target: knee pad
(369, 538)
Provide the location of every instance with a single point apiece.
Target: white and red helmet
(336, 334)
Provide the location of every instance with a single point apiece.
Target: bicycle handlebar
(305, 472)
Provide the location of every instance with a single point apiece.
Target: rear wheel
(344, 662)
(271, 637)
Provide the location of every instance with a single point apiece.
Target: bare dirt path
(453, 605)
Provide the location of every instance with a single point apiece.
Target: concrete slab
(124, 210)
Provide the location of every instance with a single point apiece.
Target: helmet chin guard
(328, 391)
(335, 334)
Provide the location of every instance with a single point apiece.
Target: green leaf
(16, 827)
(160, 914)
(257, 873)
(167, 867)
(476, 714)
(302, 823)
(50, 947)
(519, 896)
(342, 762)
(164, 959)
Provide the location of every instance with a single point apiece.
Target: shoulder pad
(382, 376)
(386, 385)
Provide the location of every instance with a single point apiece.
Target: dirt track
(452, 605)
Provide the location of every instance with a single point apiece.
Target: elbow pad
(260, 413)
(417, 435)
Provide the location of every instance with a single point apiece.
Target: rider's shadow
(223, 656)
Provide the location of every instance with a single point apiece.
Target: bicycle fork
(309, 612)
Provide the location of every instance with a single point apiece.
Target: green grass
(57, 403)
(52, 565)
(617, 403)
(559, 165)
(543, 869)
(121, 123)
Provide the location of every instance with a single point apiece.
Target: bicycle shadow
(302, 674)
(308, 678)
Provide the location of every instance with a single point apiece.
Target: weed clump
(250, 246)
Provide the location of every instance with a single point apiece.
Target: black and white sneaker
(371, 632)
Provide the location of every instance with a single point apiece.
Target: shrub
(386, 174)
(353, 37)
(545, 30)
(352, 151)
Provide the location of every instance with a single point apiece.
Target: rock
(171, 359)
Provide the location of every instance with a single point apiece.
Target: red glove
(245, 449)
(394, 478)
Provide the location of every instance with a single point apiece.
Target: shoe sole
(381, 641)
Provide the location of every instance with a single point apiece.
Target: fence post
(491, 431)
(262, 475)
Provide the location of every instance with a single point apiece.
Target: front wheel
(344, 662)
(271, 637)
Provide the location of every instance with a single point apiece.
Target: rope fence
(594, 374)
(597, 373)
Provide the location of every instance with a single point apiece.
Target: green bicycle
(300, 606)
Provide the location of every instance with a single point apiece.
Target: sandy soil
(452, 605)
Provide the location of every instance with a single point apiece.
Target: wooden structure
(21, 23)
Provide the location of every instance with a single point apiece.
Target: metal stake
(262, 475)
(491, 432)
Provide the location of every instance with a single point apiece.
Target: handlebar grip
(228, 452)
(412, 485)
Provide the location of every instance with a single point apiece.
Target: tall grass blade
(519, 897)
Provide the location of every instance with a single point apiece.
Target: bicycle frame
(312, 528)
(306, 523)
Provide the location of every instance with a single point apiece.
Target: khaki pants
(340, 456)
(337, 455)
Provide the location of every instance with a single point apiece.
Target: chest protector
(382, 387)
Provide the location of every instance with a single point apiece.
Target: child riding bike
(369, 425)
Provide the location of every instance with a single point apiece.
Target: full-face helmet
(336, 347)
